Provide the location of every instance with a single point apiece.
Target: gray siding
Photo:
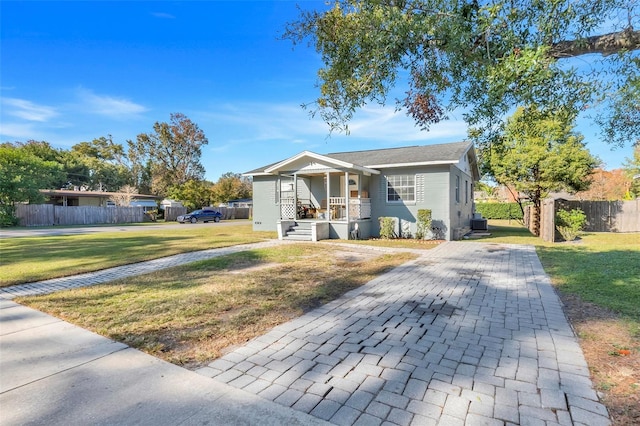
(461, 210)
(432, 192)
(265, 200)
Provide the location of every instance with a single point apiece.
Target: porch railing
(359, 208)
(287, 208)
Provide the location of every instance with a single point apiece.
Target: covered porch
(326, 198)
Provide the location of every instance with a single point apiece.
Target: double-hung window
(401, 188)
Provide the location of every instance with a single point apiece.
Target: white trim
(320, 158)
(423, 163)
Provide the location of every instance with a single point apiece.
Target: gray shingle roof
(445, 152)
(410, 154)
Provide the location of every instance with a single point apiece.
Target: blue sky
(73, 71)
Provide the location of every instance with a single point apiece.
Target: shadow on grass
(190, 313)
(608, 278)
(35, 259)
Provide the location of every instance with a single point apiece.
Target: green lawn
(602, 268)
(188, 314)
(28, 259)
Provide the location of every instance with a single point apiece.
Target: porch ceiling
(311, 163)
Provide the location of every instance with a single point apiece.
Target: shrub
(424, 223)
(8, 216)
(499, 210)
(570, 222)
(387, 227)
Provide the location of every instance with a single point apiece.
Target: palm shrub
(570, 222)
(387, 227)
(424, 223)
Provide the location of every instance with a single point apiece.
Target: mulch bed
(613, 355)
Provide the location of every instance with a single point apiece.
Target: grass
(29, 259)
(393, 243)
(187, 315)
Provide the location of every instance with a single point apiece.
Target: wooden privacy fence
(172, 213)
(602, 216)
(49, 215)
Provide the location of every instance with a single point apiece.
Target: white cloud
(290, 123)
(107, 105)
(163, 15)
(385, 123)
(28, 110)
(18, 131)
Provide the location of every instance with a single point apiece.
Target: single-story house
(342, 195)
(67, 197)
(240, 203)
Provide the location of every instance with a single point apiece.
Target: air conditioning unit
(479, 225)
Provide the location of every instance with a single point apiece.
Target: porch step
(298, 233)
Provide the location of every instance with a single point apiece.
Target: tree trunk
(606, 44)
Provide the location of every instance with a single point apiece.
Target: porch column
(295, 196)
(279, 194)
(328, 212)
(346, 200)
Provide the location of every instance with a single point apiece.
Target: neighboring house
(334, 195)
(240, 203)
(170, 203)
(65, 197)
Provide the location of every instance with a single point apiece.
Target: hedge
(499, 210)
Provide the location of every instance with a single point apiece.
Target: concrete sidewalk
(54, 373)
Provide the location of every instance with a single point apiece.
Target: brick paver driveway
(469, 333)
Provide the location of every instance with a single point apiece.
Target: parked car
(200, 215)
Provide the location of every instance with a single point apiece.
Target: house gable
(310, 162)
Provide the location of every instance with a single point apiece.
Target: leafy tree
(22, 175)
(171, 154)
(606, 186)
(193, 194)
(124, 197)
(484, 56)
(632, 170)
(538, 155)
(231, 186)
(44, 151)
(104, 163)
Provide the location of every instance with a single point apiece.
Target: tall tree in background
(231, 186)
(171, 153)
(538, 155)
(606, 186)
(104, 163)
(22, 175)
(74, 171)
(485, 56)
(632, 170)
(193, 194)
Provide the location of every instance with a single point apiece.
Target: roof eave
(416, 164)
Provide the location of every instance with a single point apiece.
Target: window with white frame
(401, 188)
(466, 192)
(457, 189)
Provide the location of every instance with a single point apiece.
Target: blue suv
(200, 215)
